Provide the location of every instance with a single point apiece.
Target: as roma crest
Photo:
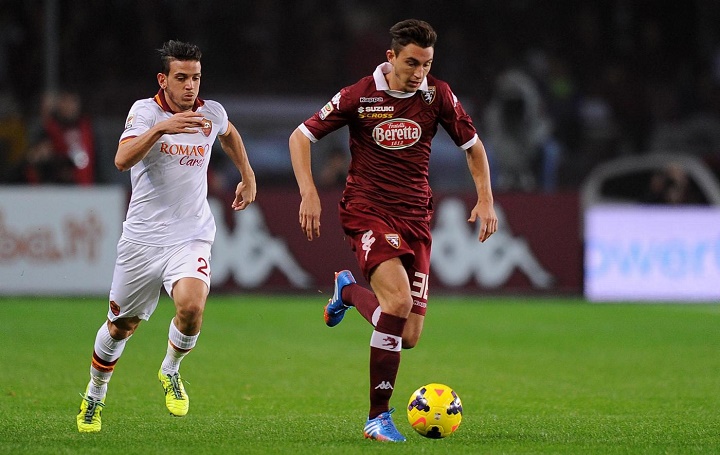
(393, 240)
(429, 95)
(206, 127)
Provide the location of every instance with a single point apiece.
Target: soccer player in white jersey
(169, 229)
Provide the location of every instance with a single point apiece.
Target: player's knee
(120, 329)
(189, 313)
(409, 344)
(409, 341)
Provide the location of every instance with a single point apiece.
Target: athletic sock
(106, 353)
(364, 300)
(385, 346)
(179, 345)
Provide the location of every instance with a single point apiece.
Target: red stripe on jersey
(162, 102)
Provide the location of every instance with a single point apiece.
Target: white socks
(179, 345)
(106, 353)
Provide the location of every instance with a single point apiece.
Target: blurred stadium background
(601, 118)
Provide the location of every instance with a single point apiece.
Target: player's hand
(245, 193)
(488, 219)
(183, 122)
(310, 216)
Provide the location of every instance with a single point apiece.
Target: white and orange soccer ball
(435, 411)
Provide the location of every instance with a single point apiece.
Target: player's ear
(162, 80)
(390, 54)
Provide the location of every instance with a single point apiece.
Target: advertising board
(668, 253)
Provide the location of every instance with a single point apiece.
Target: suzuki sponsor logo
(376, 109)
(376, 112)
(396, 134)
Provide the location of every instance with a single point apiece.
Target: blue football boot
(382, 428)
(335, 309)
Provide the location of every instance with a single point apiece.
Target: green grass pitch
(536, 376)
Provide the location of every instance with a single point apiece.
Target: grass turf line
(535, 376)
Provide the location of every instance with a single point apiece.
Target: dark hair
(412, 31)
(177, 50)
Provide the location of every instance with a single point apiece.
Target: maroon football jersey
(390, 137)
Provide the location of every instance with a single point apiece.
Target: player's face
(181, 85)
(410, 66)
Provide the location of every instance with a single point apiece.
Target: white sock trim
(106, 347)
(376, 316)
(386, 341)
(179, 339)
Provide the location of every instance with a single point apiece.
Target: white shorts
(141, 270)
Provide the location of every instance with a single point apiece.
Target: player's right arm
(133, 149)
(300, 149)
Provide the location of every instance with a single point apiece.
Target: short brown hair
(177, 50)
(412, 31)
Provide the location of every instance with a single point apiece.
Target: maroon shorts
(376, 237)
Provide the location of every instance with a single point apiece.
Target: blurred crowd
(555, 88)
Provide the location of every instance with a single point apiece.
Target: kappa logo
(384, 385)
(251, 240)
(393, 240)
(429, 95)
(458, 257)
(336, 99)
(367, 241)
(330, 106)
(390, 342)
(206, 127)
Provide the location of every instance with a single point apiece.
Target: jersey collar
(382, 85)
(162, 102)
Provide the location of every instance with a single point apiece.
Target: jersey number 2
(203, 268)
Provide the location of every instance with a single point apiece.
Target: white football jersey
(169, 203)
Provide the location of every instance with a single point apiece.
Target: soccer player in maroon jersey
(386, 207)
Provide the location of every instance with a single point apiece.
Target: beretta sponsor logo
(397, 133)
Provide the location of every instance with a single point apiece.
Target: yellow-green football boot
(176, 399)
(89, 419)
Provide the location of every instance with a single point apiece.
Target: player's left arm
(232, 144)
(484, 209)
(457, 123)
